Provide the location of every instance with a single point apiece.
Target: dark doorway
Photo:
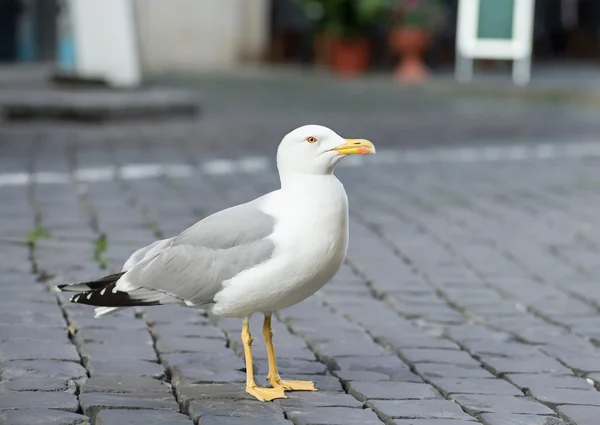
(9, 22)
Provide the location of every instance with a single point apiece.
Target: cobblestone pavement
(470, 293)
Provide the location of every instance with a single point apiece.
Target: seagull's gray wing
(146, 252)
(194, 265)
(245, 223)
(239, 225)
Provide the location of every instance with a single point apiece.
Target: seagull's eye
(312, 139)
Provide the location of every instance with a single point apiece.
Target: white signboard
(495, 29)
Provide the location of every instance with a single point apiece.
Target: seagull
(257, 257)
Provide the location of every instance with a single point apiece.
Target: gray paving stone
(248, 409)
(52, 318)
(170, 344)
(304, 400)
(583, 362)
(125, 367)
(541, 381)
(556, 396)
(474, 386)
(418, 409)
(88, 321)
(190, 392)
(429, 355)
(482, 403)
(41, 400)
(502, 349)
(291, 367)
(442, 370)
(92, 403)
(187, 330)
(28, 383)
(389, 366)
(109, 337)
(109, 352)
(223, 420)
(42, 417)
(333, 416)
(392, 390)
(195, 368)
(595, 377)
(141, 417)
(364, 375)
(399, 341)
(540, 364)
(126, 385)
(42, 369)
(581, 415)
(508, 419)
(464, 333)
(355, 347)
(291, 352)
(30, 350)
(173, 314)
(27, 308)
(325, 382)
(32, 298)
(434, 422)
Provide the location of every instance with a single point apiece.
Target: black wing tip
(91, 285)
(109, 297)
(98, 297)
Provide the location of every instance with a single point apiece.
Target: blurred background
(125, 121)
(188, 36)
(403, 61)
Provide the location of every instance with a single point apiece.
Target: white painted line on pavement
(97, 174)
(49, 177)
(14, 179)
(218, 167)
(179, 170)
(253, 164)
(140, 171)
(215, 167)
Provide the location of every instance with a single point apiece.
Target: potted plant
(413, 23)
(342, 27)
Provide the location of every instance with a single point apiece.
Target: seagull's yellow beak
(355, 147)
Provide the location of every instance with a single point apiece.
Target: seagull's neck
(302, 182)
(322, 194)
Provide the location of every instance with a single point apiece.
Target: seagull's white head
(314, 149)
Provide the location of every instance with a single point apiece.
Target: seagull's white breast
(311, 240)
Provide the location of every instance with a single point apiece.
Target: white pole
(464, 68)
(106, 41)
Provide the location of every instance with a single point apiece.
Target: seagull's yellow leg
(273, 375)
(262, 394)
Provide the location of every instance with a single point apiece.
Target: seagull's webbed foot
(265, 394)
(290, 385)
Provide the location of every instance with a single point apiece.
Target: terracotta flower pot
(410, 44)
(350, 58)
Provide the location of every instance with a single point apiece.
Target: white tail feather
(103, 311)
